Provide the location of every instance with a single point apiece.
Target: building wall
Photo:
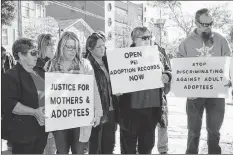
(128, 16)
(95, 7)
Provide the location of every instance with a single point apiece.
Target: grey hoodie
(194, 46)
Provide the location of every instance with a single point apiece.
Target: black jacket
(125, 111)
(103, 85)
(18, 86)
(39, 68)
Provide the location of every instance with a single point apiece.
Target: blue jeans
(215, 110)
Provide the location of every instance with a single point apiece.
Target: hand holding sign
(229, 84)
(39, 115)
(96, 121)
(165, 78)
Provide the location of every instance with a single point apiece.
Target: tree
(48, 25)
(8, 12)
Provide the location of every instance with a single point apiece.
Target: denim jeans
(66, 139)
(215, 110)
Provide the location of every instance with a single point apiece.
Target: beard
(207, 37)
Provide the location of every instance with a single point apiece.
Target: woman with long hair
(102, 139)
(46, 51)
(68, 60)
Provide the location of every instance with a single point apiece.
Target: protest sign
(134, 69)
(69, 101)
(200, 77)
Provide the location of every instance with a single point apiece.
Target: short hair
(92, 41)
(43, 40)
(138, 31)
(22, 45)
(201, 12)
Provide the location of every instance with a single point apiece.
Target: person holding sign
(46, 52)
(141, 111)
(68, 60)
(204, 43)
(22, 101)
(102, 139)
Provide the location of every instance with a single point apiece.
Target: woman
(68, 60)
(141, 111)
(46, 51)
(22, 101)
(102, 139)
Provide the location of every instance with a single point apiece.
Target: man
(204, 42)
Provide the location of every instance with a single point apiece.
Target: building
(32, 14)
(79, 27)
(127, 16)
(92, 12)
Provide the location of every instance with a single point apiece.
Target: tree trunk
(19, 19)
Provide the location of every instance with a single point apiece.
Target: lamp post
(160, 24)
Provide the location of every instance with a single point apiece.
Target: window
(26, 10)
(43, 15)
(139, 17)
(121, 15)
(38, 11)
(4, 36)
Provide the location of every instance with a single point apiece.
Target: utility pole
(19, 19)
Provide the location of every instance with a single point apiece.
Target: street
(177, 131)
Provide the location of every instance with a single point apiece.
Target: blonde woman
(68, 60)
(46, 52)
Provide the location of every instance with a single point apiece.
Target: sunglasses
(33, 52)
(144, 38)
(206, 24)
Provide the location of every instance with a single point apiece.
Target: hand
(118, 94)
(192, 98)
(39, 115)
(96, 121)
(228, 85)
(74, 72)
(165, 78)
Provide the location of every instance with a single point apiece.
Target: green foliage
(8, 12)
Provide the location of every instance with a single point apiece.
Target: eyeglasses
(70, 48)
(33, 52)
(144, 38)
(206, 24)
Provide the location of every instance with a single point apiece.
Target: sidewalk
(177, 131)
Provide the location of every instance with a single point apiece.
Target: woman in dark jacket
(46, 52)
(141, 111)
(102, 139)
(23, 102)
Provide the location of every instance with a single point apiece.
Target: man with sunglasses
(203, 42)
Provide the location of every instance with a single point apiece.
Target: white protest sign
(69, 101)
(200, 77)
(134, 69)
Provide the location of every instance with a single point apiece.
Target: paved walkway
(178, 130)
